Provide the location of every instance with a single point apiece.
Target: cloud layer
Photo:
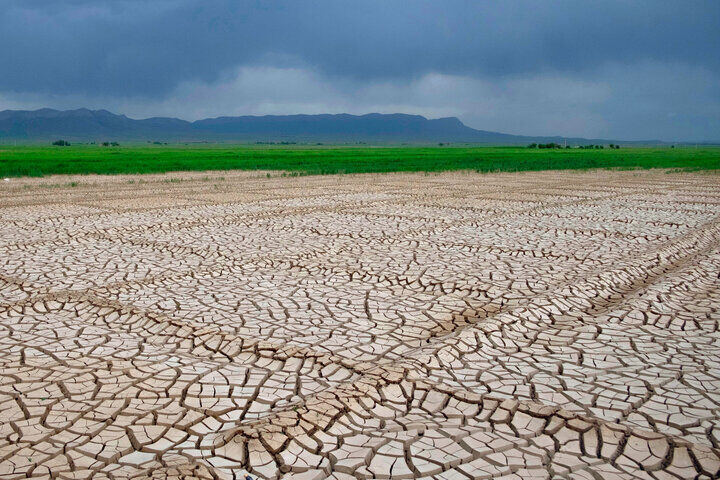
(642, 69)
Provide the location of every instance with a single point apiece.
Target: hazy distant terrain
(85, 125)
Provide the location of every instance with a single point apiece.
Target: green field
(18, 161)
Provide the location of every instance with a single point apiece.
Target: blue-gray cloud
(132, 52)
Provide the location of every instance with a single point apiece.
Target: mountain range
(84, 125)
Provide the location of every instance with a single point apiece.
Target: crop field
(84, 159)
(448, 325)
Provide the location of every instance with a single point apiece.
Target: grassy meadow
(18, 161)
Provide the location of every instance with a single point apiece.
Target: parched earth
(514, 326)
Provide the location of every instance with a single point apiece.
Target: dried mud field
(452, 326)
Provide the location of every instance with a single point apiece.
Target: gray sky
(616, 69)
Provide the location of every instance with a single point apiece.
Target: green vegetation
(79, 159)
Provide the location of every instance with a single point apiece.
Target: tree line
(612, 146)
(65, 143)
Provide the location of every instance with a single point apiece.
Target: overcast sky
(616, 69)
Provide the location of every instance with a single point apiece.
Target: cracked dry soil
(452, 326)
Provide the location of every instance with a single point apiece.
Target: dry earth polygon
(515, 326)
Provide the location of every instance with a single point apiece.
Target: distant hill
(85, 125)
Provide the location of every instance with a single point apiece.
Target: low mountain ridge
(84, 125)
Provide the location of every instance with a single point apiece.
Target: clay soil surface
(455, 326)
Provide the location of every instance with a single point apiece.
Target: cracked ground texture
(451, 326)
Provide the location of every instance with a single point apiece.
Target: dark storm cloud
(139, 47)
(167, 54)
